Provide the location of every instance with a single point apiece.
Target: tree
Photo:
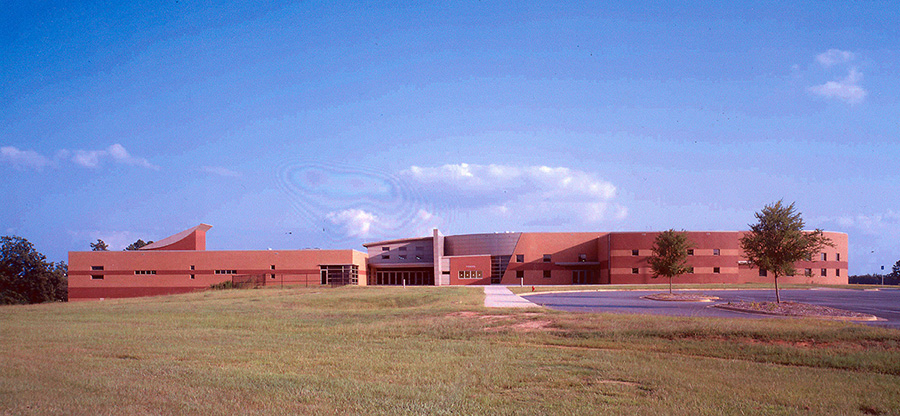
(669, 258)
(99, 246)
(137, 245)
(26, 276)
(895, 271)
(778, 241)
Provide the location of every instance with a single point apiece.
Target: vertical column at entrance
(438, 246)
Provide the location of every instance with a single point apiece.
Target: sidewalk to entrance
(502, 297)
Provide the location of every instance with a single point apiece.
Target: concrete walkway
(502, 297)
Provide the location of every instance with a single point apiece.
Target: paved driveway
(883, 303)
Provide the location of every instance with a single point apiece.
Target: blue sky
(295, 125)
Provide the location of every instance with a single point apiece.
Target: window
(273, 267)
(385, 256)
(145, 272)
(96, 267)
(716, 252)
(838, 256)
(96, 277)
(837, 272)
(763, 273)
(520, 258)
(716, 270)
(635, 252)
(824, 272)
(192, 277)
(808, 272)
(226, 271)
(470, 274)
(418, 257)
(824, 256)
(273, 276)
(402, 248)
(582, 258)
(520, 274)
(546, 258)
(192, 267)
(690, 252)
(402, 257)
(634, 270)
(546, 274)
(690, 270)
(385, 249)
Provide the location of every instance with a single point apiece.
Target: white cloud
(355, 222)
(221, 171)
(116, 153)
(23, 158)
(847, 89)
(834, 57)
(511, 195)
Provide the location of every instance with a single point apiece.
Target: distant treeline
(872, 279)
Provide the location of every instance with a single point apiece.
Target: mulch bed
(796, 309)
(680, 297)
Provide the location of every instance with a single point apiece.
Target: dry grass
(426, 351)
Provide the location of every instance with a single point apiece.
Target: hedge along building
(181, 263)
(578, 258)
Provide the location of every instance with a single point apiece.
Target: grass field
(379, 350)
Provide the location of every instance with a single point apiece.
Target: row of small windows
(470, 274)
(145, 272)
(403, 248)
(401, 257)
(226, 271)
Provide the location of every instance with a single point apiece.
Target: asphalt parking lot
(884, 304)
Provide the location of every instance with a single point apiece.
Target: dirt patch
(680, 297)
(796, 309)
(520, 322)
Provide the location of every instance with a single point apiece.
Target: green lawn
(378, 350)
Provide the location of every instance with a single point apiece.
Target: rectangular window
(145, 272)
(716, 270)
(385, 256)
(808, 272)
(273, 276)
(837, 272)
(635, 252)
(520, 274)
(402, 248)
(402, 257)
(582, 257)
(762, 273)
(192, 267)
(824, 256)
(716, 252)
(226, 271)
(690, 270)
(690, 252)
(98, 268)
(192, 277)
(418, 257)
(546, 258)
(520, 258)
(546, 274)
(96, 277)
(838, 256)
(634, 270)
(385, 249)
(824, 272)
(273, 267)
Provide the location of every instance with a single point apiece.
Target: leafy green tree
(26, 276)
(778, 240)
(99, 246)
(137, 245)
(895, 271)
(670, 253)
